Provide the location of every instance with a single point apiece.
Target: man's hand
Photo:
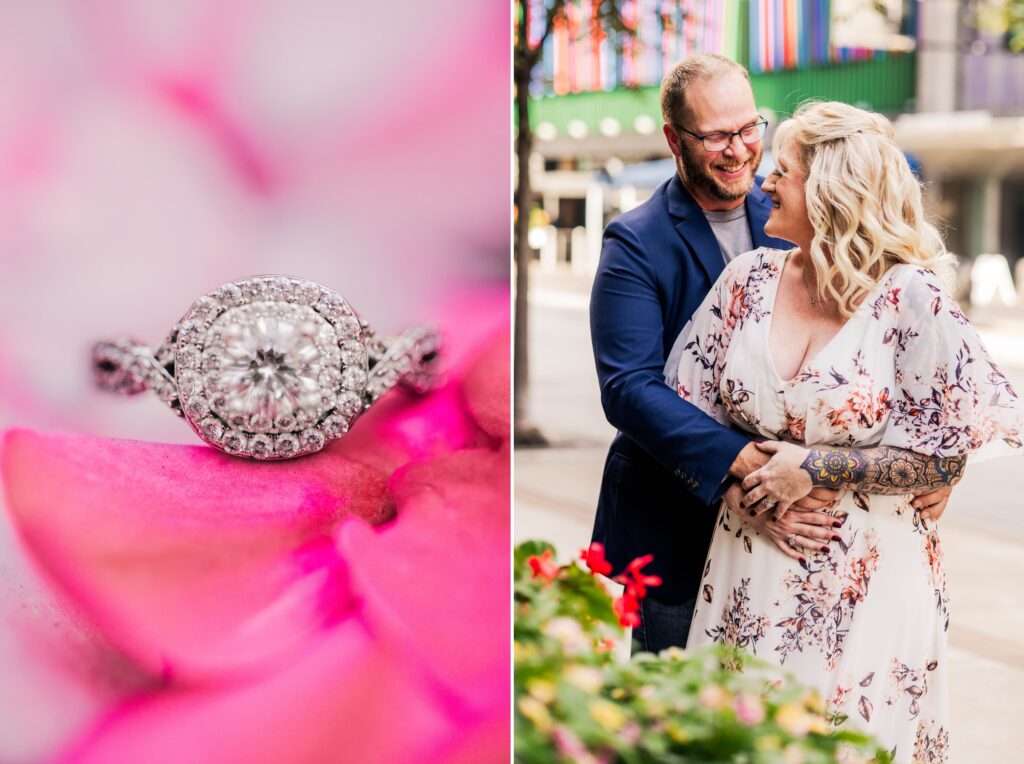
(931, 505)
(818, 498)
(810, 530)
(748, 460)
(779, 483)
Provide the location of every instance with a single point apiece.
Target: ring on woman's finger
(769, 504)
(791, 540)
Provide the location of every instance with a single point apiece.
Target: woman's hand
(931, 505)
(779, 483)
(798, 530)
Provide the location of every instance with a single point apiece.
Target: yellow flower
(813, 702)
(523, 651)
(673, 654)
(607, 714)
(541, 689)
(819, 725)
(536, 712)
(587, 678)
(794, 719)
(677, 733)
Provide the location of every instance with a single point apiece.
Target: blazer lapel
(695, 229)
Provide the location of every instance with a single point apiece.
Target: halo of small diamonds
(270, 367)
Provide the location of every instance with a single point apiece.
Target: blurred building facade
(950, 83)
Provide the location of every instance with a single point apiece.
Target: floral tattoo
(882, 469)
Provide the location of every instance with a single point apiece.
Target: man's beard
(697, 176)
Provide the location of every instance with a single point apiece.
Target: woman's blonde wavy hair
(863, 202)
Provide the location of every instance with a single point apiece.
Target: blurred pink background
(152, 150)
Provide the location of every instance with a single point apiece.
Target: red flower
(628, 608)
(542, 566)
(639, 563)
(628, 605)
(641, 583)
(636, 583)
(594, 557)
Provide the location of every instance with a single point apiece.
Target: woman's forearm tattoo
(882, 469)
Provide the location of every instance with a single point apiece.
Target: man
(670, 461)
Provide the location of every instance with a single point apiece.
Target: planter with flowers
(577, 702)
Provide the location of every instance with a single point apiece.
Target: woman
(847, 355)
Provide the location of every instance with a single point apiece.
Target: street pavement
(982, 531)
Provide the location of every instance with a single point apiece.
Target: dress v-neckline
(831, 341)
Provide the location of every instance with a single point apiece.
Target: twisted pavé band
(270, 367)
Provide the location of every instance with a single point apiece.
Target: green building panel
(885, 84)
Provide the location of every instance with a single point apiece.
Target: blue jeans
(662, 625)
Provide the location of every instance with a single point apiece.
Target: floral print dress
(865, 623)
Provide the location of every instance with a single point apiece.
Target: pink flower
(568, 744)
(749, 709)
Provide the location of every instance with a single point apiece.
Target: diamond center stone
(269, 367)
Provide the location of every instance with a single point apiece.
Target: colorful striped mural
(764, 35)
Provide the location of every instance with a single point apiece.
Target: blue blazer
(669, 460)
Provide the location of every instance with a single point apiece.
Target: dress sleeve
(950, 398)
(704, 341)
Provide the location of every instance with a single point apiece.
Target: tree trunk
(525, 434)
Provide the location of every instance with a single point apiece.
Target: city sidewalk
(982, 531)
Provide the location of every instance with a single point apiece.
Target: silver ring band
(271, 367)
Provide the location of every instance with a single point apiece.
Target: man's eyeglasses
(752, 133)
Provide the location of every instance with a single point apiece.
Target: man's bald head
(700, 66)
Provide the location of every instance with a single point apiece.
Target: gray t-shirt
(731, 230)
(733, 234)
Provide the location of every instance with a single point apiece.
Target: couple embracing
(824, 392)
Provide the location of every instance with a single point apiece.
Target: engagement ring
(769, 504)
(270, 367)
(792, 541)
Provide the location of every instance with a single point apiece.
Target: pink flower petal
(344, 699)
(189, 560)
(487, 390)
(434, 585)
(488, 743)
(50, 658)
(403, 427)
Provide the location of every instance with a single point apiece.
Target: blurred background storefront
(945, 71)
